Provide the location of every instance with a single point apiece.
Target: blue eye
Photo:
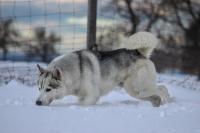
(47, 90)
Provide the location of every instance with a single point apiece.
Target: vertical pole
(91, 24)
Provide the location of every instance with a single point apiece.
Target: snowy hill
(115, 113)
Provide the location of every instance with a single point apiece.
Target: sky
(30, 15)
(68, 18)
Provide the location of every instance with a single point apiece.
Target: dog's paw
(157, 101)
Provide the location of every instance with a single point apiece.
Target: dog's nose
(38, 102)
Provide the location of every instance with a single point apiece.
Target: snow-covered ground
(114, 113)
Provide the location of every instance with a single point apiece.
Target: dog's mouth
(50, 100)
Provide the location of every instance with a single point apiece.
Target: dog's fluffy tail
(145, 42)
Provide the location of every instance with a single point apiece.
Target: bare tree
(141, 15)
(44, 44)
(187, 17)
(8, 36)
(138, 12)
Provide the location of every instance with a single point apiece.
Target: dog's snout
(38, 102)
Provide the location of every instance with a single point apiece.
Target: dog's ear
(57, 74)
(40, 70)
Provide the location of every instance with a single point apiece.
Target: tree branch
(152, 18)
(134, 19)
(177, 15)
(190, 10)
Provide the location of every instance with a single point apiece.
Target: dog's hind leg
(155, 96)
(155, 100)
(146, 95)
(163, 92)
(142, 85)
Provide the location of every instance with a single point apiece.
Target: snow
(115, 113)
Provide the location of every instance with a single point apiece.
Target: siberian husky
(91, 74)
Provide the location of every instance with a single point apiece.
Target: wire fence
(30, 26)
(27, 16)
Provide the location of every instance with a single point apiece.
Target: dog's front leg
(90, 98)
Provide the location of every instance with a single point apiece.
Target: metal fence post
(91, 24)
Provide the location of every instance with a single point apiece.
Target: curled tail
(144, 42)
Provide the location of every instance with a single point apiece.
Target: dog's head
(51, 86)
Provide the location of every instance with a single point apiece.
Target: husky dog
(91, 74)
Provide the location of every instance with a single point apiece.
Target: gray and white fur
(91, 74)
